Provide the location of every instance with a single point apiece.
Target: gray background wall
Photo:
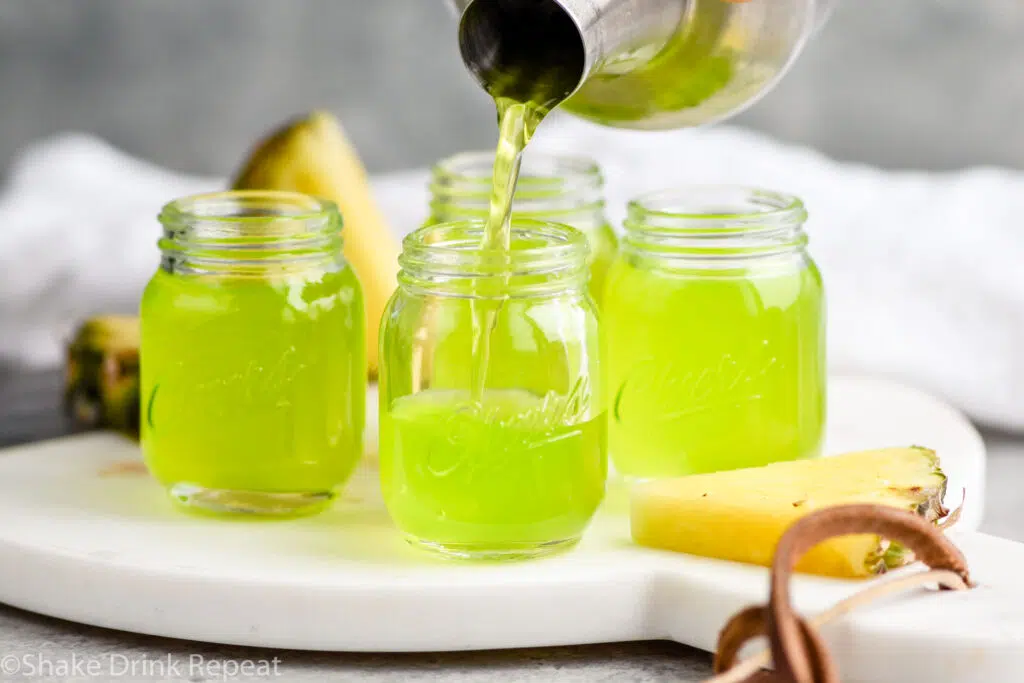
(190, 83)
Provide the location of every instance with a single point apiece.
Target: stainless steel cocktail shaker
(651, 64)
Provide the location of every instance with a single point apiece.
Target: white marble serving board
(80, 543)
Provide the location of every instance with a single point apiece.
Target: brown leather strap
(798, 652)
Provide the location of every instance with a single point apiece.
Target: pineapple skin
(312, 155)
(101, 384)
(741, 515)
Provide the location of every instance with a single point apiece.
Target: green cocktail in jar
(715, 335)
(511, 463)
(253, 359)
(509, 472)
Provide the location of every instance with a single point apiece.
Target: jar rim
(476, 165)
(715, 223)
(541, 244)
(446, 258)
(546, 182)
(717, 209)
(247, 213)
(259, 230)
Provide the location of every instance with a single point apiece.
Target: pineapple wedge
(313, 156)
(740, 515)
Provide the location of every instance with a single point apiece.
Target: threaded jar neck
(558, 188)
(715, 224)
(249, 232)
(447, 259)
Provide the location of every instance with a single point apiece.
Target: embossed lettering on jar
(715, 334)
(559, 189)
(253, 358)
(492, 421)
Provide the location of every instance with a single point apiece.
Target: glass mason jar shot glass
(253, 358)
(551, 188)
(492, 422)
(715, 334)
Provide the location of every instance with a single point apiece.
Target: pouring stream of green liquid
(517, 122)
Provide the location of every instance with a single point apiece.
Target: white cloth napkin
(924, 272)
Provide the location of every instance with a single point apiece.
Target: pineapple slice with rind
(740, 515)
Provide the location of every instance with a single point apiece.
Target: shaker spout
(544, 50)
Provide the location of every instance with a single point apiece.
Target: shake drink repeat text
(112, 666)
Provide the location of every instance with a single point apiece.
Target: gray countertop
(47, 649)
